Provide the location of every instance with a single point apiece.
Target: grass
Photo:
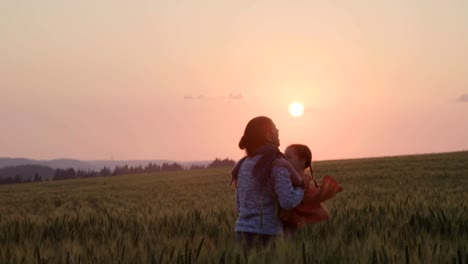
(408, 209)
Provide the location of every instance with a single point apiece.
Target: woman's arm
(296, 178)
(288, 196)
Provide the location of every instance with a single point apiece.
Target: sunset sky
(180, 79)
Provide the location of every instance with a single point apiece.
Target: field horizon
(403, 209)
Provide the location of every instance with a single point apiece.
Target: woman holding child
(267, 186)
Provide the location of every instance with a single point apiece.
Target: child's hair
(303, 152)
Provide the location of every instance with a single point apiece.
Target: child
(311, 209)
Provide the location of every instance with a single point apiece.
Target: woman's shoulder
(280, 171)
(248, 162)
(281, 162)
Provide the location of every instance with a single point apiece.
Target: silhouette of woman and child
(274, 193)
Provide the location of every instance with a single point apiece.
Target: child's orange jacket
(312, 209)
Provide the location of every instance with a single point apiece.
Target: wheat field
(407, 209)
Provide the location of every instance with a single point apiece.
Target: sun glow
(296, 109)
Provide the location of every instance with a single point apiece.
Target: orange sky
(180, 79)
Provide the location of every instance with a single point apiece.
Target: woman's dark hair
(303, 152)
(255, 134)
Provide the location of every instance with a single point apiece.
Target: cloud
(190, 97)
(236, 96)
(463, 98)
(231, 96)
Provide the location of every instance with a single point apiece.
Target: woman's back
(258, 203)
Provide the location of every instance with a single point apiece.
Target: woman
(262, 188)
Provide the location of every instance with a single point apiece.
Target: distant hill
(91, 164)
(113, 163)
(55, 164)
(6, 162)
(27, 172)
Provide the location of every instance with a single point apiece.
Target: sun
(296, 109)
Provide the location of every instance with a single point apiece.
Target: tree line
(34, 173)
